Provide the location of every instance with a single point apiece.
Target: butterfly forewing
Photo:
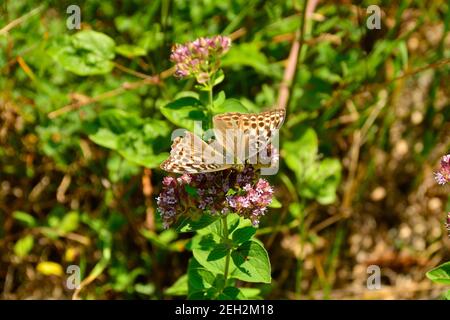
(190, 154)
(239, 138)
(246, 135)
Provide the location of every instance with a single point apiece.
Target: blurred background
(368, 120)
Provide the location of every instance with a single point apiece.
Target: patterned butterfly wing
(245, 135)
(190, 154)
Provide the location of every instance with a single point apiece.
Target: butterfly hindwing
(190, 154)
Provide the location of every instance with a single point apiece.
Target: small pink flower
(443, 175)
(185, 178)
(199, 58)
(167, 181)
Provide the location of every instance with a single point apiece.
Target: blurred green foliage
(83, 120)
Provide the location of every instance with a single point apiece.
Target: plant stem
(211, 102)
(210, 92)
(227, 259)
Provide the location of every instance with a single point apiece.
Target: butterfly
(240, 138)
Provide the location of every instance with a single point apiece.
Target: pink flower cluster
(199, 58)
(443, 175)
(252, 204)
(221, 192)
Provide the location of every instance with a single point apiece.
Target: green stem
(211, 102)
(227, 259)
(210, 92)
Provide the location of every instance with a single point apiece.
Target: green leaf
(153, 38)
(249, 55)
(276, 204)
(184, 112)
(320, 181)
(161, 240)
(403, 49)
(231, 293)
(209, 252)
(200, 280)
(243, 234)
(105, 138)
(120, 169)
(140, 141)
(233, 222)
(280, 26)
(315, 179)
(446, 295)
(330, 176)
(218, 77)
(440, 274)
(144, 146)
(208, 248)
(295, 209)
(190, 225)
(251, 263)
(251, 293)
(179, 288)
(301, 152)
(95, 42)
(147, 289)
(219, 98)
(219, 251)
(230, 105)
(69, 222)
(87, 52)
(110, 125)
(130, 51)
(23, 246)
(26, 218)
(98, 269)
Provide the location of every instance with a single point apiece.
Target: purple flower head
(226, 191)
(443, 175)
(199, 58)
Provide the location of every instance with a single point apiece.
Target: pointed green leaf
(179, 288)
(251, 263)
(243, 234)
(130, 51)
(184, 112)
(26, 218)
(440, 274)
(191, 225)
(23, 246)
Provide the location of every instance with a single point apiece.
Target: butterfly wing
(190, 154)
(239, 137)
(247, 134)
(228, 134)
